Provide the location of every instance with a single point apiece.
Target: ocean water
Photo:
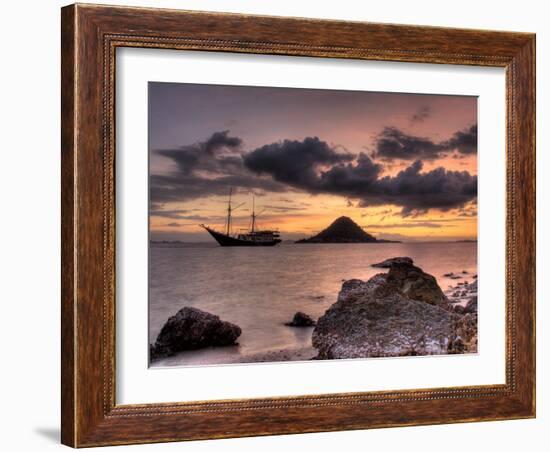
(261, 288)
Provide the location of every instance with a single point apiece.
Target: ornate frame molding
(90, 37)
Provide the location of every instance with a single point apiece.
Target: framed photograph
(278, 225)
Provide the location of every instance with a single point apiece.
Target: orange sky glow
(205, 140)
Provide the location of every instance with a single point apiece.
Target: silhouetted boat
(252, 237)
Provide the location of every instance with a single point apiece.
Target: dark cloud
(394, 144)
(353, 179)
(465, 142)
(413, 190)
(294, 162)
(421, 114)
(418, 192)
(206, 168)
(219, 140)
(219, 153)
(312, 166)
(181, 187)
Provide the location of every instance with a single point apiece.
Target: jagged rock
(403, 312)
(416, 284)
(381, 321)
(393, 261)
(301, 319)
(354, 287)
(192, 329)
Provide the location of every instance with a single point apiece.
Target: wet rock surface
(463, 296)
(393, 261)
(191, 329)
(300, 319)
(400, 313)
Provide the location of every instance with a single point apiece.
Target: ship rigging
(252, 237)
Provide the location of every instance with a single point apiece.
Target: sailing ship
(252, 237)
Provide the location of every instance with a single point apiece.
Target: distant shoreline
(182, 244)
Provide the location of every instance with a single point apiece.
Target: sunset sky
(402, 166)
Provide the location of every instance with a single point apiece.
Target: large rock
(301, 319)
(403, 312)
(382, 322)
(393, 261)
(192, 329)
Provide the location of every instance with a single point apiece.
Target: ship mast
(228, 230)
(253, 216)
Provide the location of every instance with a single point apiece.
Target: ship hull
(226, 240)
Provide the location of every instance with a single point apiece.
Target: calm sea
(260, 289)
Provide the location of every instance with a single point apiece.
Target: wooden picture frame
(90, 36)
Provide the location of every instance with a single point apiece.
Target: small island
(344, 230)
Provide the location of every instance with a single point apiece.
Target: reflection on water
(260, 289)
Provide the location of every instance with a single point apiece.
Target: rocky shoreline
(403, 312)
(400, 313)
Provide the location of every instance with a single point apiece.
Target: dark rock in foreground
(192, 329)
(393, 261)
(381, 321)
(401, 313)
(301, 319)
(342, 230)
